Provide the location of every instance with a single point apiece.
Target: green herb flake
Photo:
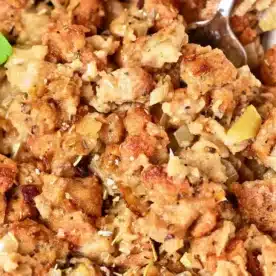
(5, 49)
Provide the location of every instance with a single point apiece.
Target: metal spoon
(269, 39)
(217, 33)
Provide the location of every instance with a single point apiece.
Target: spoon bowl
(218, 33)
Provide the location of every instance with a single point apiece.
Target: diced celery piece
(246, 127)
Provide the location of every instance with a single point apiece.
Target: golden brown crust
(268, 67)
(165, 11)
(136, 120)
(112, 130)
(38, 246)
(86, 193)
(10, 19)
(64, 41)
(244, 27)
(205, 224)
(8, 172)
(159, 184)
(265, 140)
(135, 145)
(21, 204)
(203, 72)
(89, 13)
(256, 202)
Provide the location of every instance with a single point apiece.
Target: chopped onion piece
(183, 136)
(176, 167)
(159, 94)
(189, 261)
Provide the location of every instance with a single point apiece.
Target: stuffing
(205, 224)
(126, 150)
(131, 25)
(80, 266)
(268, 67)
(67, 212)
(155, 50)
(85, 193)
(8, 171)
(89, 13)
(113, 9)
(216, 133)
(135, 145)
(44, 117)
(182, 107)
(165, 12)
(167, 218)
(112, 131)
(238, 253)
(246, 88)
(208, 162)
(205, 71)
(244, 7)
(213, 244)
(162, 187)
(267, 22)
(60, 151)
(245, 27)
(163, 90)
(198, 10)
(29, 246)
(10, 19)
(103, 46)
(21, 204)
(264, 142)
(64, 42)
(34, 26)
(256, 202)
(136, 120)
(65, 91)
(241, 23)
(209, 9)
(24, 66)
(120, 86)
(55, 91)
(20, 120)
(260, 250)
(151, 142)
(223, 103)
(229, 100)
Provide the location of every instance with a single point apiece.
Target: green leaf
(5, 49)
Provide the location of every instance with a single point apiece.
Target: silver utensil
(218, 33)
(269, 40)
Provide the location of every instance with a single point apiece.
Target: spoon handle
(225, 7)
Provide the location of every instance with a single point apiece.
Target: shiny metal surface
(217, 33)
(269, 39)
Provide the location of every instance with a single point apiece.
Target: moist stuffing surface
(128, 151)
